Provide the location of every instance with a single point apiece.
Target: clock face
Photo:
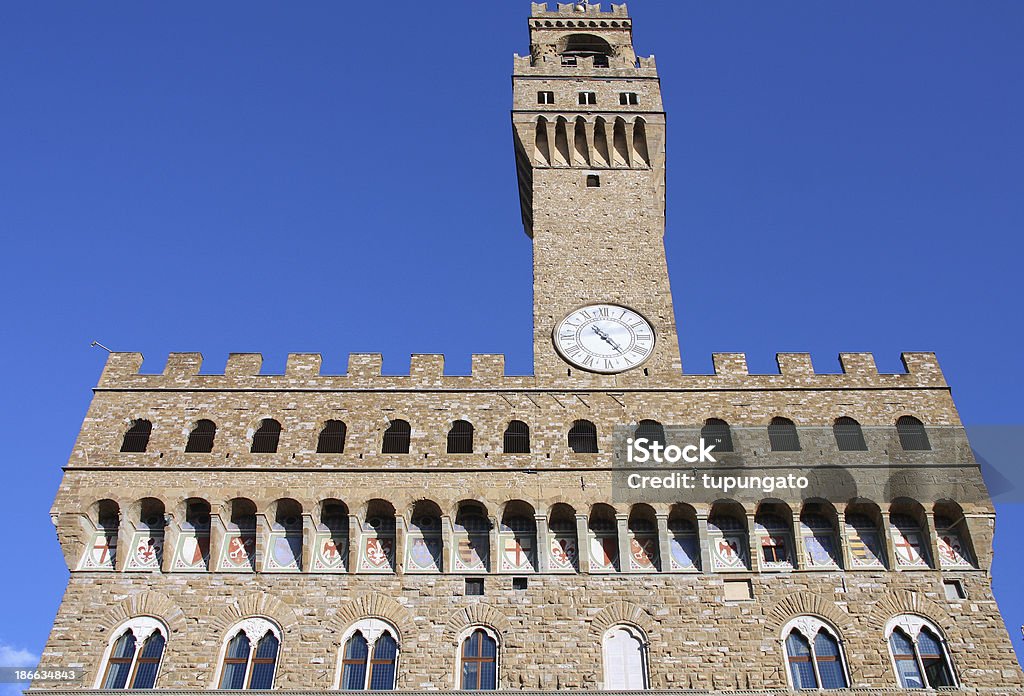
(604, 338)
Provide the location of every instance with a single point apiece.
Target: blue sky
(339, 177)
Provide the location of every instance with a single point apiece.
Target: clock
(604, 338)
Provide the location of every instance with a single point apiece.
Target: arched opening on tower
(575, 47)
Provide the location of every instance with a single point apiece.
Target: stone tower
(429, 532)
(590, 154)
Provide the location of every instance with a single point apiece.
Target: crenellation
(730, 364)
(183, 365)
(365, 365)
(303, 365)
(795, 364)
(862, 364)
(426, 369)
(924, 365)
(120, 366)
(488, 367)
(243, 365)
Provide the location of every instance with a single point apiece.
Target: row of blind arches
(812, 649)
(783, 436)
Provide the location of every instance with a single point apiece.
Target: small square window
(568, 61)
(588, 98)
(954, 590)
(593, 181)
(545, 97)
(628, 99)
(474, 586)
(738, 591)
(520, 584)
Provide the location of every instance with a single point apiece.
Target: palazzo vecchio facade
(309, 532)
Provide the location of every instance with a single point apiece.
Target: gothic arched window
(133, 656)
(479, 662)
(250, 656)
(625, 659)
(814, 655)
(202, 436)
(517, 438)
(136, 438)
(912, 434)
(332, 438)
(266, 437)
(782, 435)
(583, 437)
(919, 653)
(370, 657)
(651, 430)
(849, 435)
(396, 438)
(460, 438)
(717, 432)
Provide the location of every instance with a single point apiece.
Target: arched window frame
(583, 430)
(143, 628)
(641, 637)
(397, 437)
(809, 627)
(254, 628)
(912, 625)
(720, 431)
(460, 648)
(266, 436)
(849, 435)
(460, 437)
(783, 435)
(137, 436)
(332, 436)
(371, 629)
(912, 434)
(516, 439)
(203, 432)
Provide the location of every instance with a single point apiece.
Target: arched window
(517, 438)
(952, 536)
(864, 537)
(651, 430)
(818, 532)
(908, 539)
(136, 439)
(330, 543)
(471, 538)
(517, 538)
(912, 434)
(370, 657)
(717, 432)
(782, 435)
(266, 437)
(396, 438)
(460, 438)
(101, 553)
(192, 552)
(202, 436)
(377, 539)
(727, 535)
(564, 548)
(479, 662)
(424, 541)
(583, 437)
(813, 654)
(133, 656)
(332, 438)
(849, 435)
(625, 659)
(250, 656)
(919, 653)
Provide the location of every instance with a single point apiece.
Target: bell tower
(590, 155)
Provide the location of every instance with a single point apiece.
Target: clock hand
(606, 338)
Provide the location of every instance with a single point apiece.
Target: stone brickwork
(132, 524)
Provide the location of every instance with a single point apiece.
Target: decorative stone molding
(260, 605)
(475, 615)
(909, 602)
(151, 604)
(373, 606)
(623, 612)
(803, 603)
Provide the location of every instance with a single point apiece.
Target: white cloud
(15, 657)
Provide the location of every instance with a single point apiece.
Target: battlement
(540, 9)
(426, 371)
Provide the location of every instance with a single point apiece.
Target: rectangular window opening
(593, 181)
(545, 97)
(588, 98)
(520, 584)
(628, 99)
(474, 587)
(738, 591)
(954, 590)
